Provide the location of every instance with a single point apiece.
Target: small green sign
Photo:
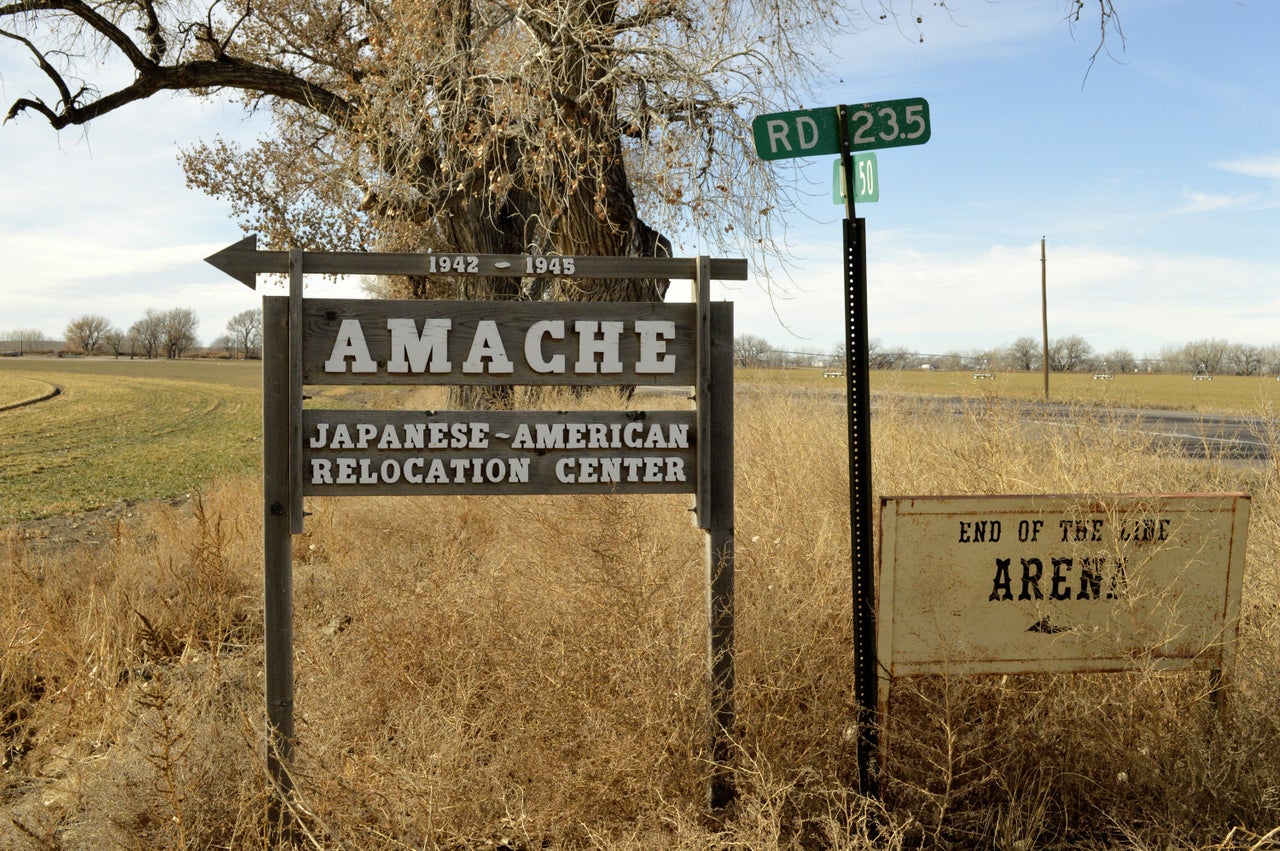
(866, 180)
(813, 132)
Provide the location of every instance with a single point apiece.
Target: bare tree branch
(224, 71)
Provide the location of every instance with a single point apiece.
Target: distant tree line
(1071, 353)
(24, 341)
(158, 334)
(244, 335)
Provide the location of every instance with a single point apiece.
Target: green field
(1238, 394)
(122, 430)
(126, 430)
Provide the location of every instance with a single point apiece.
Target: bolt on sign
(1021, 584)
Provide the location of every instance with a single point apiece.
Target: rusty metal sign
(1021, 584)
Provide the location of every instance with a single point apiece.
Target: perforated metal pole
(860, 502)
(857, 388)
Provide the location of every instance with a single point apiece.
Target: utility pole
(1044, 319)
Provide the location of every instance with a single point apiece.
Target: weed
(530, 673)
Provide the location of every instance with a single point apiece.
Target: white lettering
(341, 438)
(777, 130)
(597, 339)
(415, 435)
(321, 471)
(390, 438)
(523, 438)
(806, 139)
(518, 470)
(487, 344)
(553, 328)
(595, 435)
(653, 336)
(577, 470)
(610, 470)
(365, 471)
(414, 352)
(550, 435)
(421, 346)
(350, 344)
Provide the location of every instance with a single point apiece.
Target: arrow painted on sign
(1043, 625)
(243, 261)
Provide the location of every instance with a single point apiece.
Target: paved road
(1198, 435)
(1201, 435)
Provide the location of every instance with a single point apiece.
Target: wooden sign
(1019, 584)
(368, 453)
(244, 262)
(361, 341)
(433, 453)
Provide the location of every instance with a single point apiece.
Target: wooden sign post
(367, 453)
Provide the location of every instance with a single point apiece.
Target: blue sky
(1153, 176)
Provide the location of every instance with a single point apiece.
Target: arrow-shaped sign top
(243, 261)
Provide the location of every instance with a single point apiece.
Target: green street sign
(866, 180)
(813, 132)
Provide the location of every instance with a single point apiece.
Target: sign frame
(1019, 584)
(289, 330)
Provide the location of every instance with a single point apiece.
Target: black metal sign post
(862, 552)
(842, 130)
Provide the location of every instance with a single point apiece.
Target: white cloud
(934, 301)
(1266, 166)
(1204, 202)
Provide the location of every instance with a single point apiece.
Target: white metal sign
(1018, 584)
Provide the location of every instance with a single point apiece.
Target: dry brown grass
(529, 673)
